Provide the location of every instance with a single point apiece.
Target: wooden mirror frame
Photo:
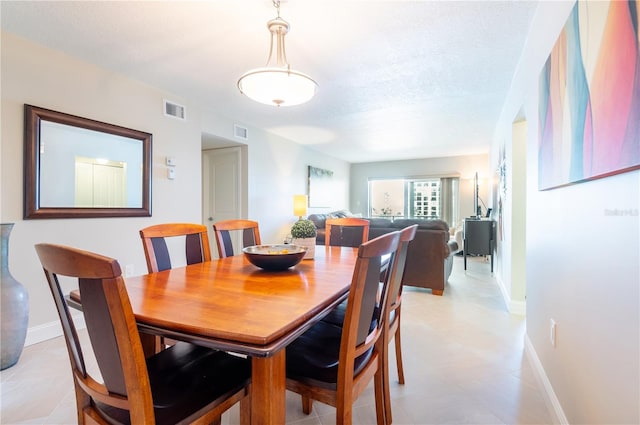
(33, 117)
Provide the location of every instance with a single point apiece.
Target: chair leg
(245, 410)
(307, 404)
(383, 398)
(344, 409)
(398, 344)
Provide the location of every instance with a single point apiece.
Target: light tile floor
(463, 357)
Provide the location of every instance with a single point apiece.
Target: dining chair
(154, 241)
(346, 231)
(394, 301)
(334, 364)
(223, 231)
(155, 245)
(393, 304)
(336, 316)
(183, 384)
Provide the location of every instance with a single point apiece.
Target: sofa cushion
(379, 222)
(319, 220)
(429, 224)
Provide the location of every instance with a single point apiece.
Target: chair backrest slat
(193, 247)
(369, 314)
(395, 281)
(249, 238)
(161, 254)
(102, 334)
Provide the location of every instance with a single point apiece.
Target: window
(415, 198)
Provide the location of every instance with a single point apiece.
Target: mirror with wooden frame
(76, 167)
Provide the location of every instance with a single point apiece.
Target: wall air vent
(240, 132)
(172, 109)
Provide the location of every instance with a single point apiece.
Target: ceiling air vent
(240, 132)
(172, 109)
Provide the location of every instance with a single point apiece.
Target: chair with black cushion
(155, 246)
(394, 301)
(346, 231)
(223, 232)
(334, 364)
(182, 384)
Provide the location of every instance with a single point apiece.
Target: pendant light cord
(276, 4)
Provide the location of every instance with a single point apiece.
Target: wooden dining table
(232, 305)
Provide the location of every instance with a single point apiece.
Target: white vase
(310, 243)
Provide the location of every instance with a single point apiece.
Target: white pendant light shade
(280, 87)
(277, 84)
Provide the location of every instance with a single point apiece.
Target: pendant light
(277, 84)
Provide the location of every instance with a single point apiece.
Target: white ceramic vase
(310, 243)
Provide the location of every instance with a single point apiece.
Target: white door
(222, 189)
(100, 183)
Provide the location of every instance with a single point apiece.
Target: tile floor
(463, 357)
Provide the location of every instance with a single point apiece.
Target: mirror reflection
(77, 167)
(104, 170)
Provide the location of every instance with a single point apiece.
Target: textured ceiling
(397, 79)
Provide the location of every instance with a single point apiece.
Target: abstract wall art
(589, 106)
(320, 187)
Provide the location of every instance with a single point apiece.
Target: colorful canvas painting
(590, 96)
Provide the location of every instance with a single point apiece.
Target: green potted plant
(303, 233)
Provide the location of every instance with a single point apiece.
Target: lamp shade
(300, 205)
(277, 86)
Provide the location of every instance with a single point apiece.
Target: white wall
(463, 166)
(277, 171)
(39, 76)
(510, 216)
(582, 266)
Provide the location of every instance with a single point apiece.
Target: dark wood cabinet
(479, 238)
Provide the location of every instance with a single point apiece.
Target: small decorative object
(274, 257)
(303, 233)
(15, 308)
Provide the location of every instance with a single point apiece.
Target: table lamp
(300, 205)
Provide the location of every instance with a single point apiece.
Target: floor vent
(240, 132)
(172, 109)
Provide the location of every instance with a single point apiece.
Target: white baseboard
(550, 398)
(50, 330)
(515, 307)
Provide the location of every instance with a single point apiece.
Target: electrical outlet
(128, 270)
(552, 332)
